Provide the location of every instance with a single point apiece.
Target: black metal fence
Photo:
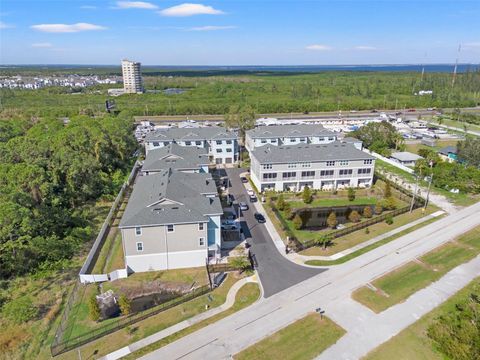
(58, 346)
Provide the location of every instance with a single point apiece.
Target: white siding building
(326, 167)
(132, 77)
(220, 144)
(284, 135)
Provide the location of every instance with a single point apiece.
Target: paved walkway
(230, 300)
(228, 336)
(367, 330)
(302, 258)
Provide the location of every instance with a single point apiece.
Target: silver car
(243, 206)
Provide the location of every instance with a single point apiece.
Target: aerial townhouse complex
(172, 221)
(288, 135)
(318, 166)
(220, 144)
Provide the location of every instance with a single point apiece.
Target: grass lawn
(304, 339)
(439, 144)
(247, 295)
(458, 124)
(153, 324)
(115, 259)
(334, 202)
(360, 236)
(413, 342)
(399, 284)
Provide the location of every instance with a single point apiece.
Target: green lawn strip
(370, 247)
(410, 278)
(398, 285)
(471, 238)
(103, 255)
(360, 236)
(247, 295)
(413, 342)
(115, 260)
(394, 170)
(302, 340)
(153, 324)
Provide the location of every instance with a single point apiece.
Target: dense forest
(265, 92)
(49, 173)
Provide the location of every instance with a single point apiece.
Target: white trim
(203, 226)
(140, 228)
(170, 253)
(201, 241)
(136, 245)
(173, 228)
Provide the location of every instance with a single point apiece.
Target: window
(198, 143)
(166, 143)
(264, 141)
(200, 226)
(219, 150)
(308, 174)
(302, 139)
(201, 241)
(291, 166)
(229, 142)
(229, 150)
(368, 162)
(273, 141)
(290, 174)
(306, 165)
(139, 246)
(156, 143)
(292, 140)
(330, 163)
(188, 143)
(326, 173)
(138, 231)
(364, 171)
(170, 228)
(343, 162)
(346, 172)
(267, 166)
(331, 138)
(219, 142)
(270, 176)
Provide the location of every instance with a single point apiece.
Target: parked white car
(229, 225)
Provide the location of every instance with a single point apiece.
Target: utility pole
(414, 193)
(429, 185)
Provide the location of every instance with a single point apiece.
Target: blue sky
(262, 32)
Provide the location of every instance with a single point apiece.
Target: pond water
(145, 302)
(316, 218)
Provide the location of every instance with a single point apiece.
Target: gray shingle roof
(171, 197)
(190, 134)
(405, 156)
(176, 157)
(448, 150)
(300, 153)
(289, 131)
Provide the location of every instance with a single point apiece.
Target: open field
(398, 285)
(302, 340)
(247, 295)
(413, 342)
(439, 144)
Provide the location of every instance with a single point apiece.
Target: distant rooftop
(186, 134)
(289, 131)
(448, 150)
(171, 197)
(405, 156)
(300, 153)
(176, 157)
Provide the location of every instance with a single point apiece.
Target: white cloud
(365, 47)
(475, 44)
(318, 47)
(135, 5)
(188, 9)
(67, 28)
(211, 28)
(5, 26)
(42, 45)
(88, 7)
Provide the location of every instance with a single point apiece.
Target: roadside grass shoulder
(247, 295)
(302, 340)
(399, 284)
(413, 342)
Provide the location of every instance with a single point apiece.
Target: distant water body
(445, 68)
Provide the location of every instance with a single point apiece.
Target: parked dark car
(244, 179)
(260, 218)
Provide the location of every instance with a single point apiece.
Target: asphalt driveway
(276, 273)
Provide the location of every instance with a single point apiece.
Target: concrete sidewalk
(229, 301)
(367, 330)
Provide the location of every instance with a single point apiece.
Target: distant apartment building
(319, 166)
(172, 220)
(132, 77)
(220, 144)
(285, 135)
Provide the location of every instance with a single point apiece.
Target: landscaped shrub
(307, 195)
(367, 212)
(93, 308)
(280, 203)
(20, 310)
(354, 216)
(297, 222)
(240, 262)
(389, 203)
(389, 219)
(388, 191)
(125, 305)
(332, 220)
(367, 231)
(351, 194)
(378, 209)
(287, 211)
